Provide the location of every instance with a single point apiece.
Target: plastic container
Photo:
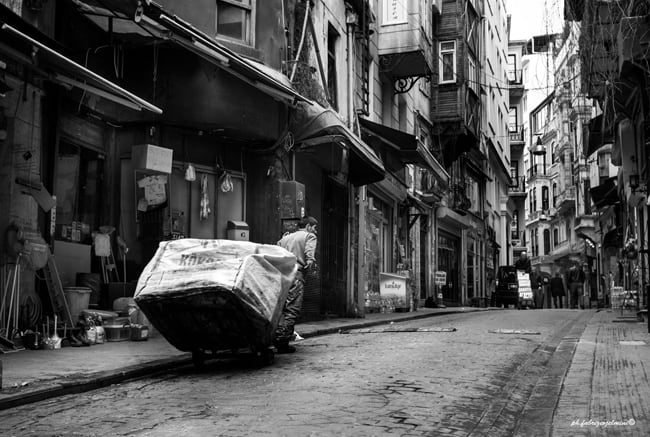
(78, 299)
(139, 332)
(117, 332)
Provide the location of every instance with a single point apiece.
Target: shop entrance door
(424, 270)
(334, 248)
(449, 262)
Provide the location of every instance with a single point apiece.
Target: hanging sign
(440, 278)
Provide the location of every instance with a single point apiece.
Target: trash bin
(78, 299)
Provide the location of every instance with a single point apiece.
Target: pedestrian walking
(523, 263)
(576, 284)
(535, 285)
(558, 291)
(302, 243)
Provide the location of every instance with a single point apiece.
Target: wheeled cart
(206, 322)
(215, 298)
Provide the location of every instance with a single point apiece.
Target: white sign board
(524, 285)
(393, 286)
(440, 278)
(394, 12)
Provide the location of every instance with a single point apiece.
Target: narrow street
(499, 373)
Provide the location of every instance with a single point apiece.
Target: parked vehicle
(506, 290)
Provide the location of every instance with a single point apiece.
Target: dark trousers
(291, 310)
(557, 301)
(575, 294)
(538, 296)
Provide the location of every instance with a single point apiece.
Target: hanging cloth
(205, 202)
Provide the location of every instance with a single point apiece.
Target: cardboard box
(152, 158)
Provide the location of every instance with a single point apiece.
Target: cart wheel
(265, 357)
(198, 358)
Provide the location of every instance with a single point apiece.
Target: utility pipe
(302, 41)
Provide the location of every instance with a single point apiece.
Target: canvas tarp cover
(257, 275)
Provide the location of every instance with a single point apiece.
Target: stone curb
(371, 323)
(109, 377)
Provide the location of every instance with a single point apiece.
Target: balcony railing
(566, 198)
(518, 185)
(516, 133)
(541, 214)
(518, 238)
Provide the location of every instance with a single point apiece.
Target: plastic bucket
(92, 281)
(78, 299)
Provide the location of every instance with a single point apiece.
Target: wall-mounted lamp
(539, 148)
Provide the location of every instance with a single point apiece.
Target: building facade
(614, 76)
(517, 123)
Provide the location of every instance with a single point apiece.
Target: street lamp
(539, 148)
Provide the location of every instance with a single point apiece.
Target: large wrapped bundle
(215, 294)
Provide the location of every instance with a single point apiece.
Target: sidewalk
(34, 375)
(606, 388)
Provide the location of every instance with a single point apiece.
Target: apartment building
(517, 124)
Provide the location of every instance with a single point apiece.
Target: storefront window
(378, 241)
(448, 262)
(471, 267)
(472, 190)
(79, 192)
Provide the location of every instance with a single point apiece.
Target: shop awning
(20, 40)
(596, 134)
(152, 20)
(605, 194)
(451, 217)
(405, 146)
(314, 125)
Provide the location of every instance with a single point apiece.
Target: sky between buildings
(534, 17)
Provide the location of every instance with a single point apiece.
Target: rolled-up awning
(605, 194)
(406, 147)
(20, 41)
(313, 125)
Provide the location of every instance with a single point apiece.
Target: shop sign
(440, 278)
(393, 287)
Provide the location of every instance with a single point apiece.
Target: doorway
(334, 248)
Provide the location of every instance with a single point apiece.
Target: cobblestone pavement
(467, 382)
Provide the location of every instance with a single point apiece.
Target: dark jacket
(534, 281)
(577, 276)
(523, 265)
(557, 287)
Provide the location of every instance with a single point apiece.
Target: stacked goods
(215, 294)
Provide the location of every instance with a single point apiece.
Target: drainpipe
(351, 22)
(358, 305)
